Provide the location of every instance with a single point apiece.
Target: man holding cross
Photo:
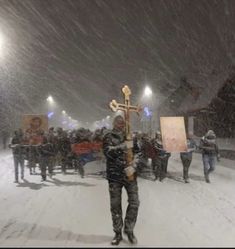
(121, 173)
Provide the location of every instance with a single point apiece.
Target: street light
(50, 99)
(148, 94)
(148, 91)
(63, 112)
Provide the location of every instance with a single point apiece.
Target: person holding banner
(115, 150)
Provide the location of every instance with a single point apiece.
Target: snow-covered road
(69, 211)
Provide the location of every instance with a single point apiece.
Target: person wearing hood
(210, 152)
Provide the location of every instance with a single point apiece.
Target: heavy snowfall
(65, 61)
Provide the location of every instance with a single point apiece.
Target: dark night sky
(83, 51)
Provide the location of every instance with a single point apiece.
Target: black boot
(117, 238)
(131, 237)
(207, 178)
(186, 180)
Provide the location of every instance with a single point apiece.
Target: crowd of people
(56, 149)
(153, 149)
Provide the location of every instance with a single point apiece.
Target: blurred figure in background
(46, 150)
(18, 153)
(160, 159)
(210, 152)
(186, 157)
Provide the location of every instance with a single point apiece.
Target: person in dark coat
(115, 151)
(160, 158)
(46, 150)
(64, 148)
(18, 154)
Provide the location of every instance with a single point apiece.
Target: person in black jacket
(82, 135)
(64, 148)
(46, 150)
(115, 151)
(160, 158)
(18, 153)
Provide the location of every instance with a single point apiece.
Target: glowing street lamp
(148, 91)
(63, 112)
(148, 98)
(50, 99)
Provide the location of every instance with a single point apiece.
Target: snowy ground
(73, 212)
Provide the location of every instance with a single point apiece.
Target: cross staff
(126, 108)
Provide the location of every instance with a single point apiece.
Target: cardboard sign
(173, 134)
(34, 126)
(86, 147)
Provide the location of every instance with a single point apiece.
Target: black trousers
(186, 163)
(115, 192)
(160, 167)
(44, 163)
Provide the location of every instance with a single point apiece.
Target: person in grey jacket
(186, 157)
(210, 152)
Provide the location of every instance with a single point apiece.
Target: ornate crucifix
(126, 108)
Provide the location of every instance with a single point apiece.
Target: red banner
(86, 147)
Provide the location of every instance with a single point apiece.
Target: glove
(129, 144)
(121, 146)
(130, 170)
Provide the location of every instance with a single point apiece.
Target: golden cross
(126, 108)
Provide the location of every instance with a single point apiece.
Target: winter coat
(17, 147)
(46, 150)
(114, 150)
(208, 146)
(159, 151)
